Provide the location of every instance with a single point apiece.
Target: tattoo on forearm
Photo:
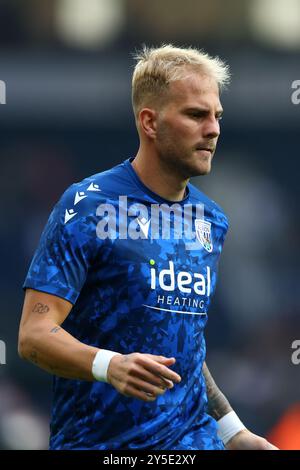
(33, 357)
(55, 329)
(40, 308)
(218, 405)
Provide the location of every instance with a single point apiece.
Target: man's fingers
(146, 387)
(167, 361)
(142, 376)
(139, 394)
(162, 359)
(159, 369)
(151, 378)
(167, 383)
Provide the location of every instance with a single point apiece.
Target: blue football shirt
(140, 272)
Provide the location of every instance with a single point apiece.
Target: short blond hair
(157, 67)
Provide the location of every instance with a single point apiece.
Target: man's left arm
(228, 422)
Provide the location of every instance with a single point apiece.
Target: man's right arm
(44, 342)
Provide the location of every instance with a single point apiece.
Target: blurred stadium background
(67, 67)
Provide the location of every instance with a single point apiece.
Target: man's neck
(158, 179)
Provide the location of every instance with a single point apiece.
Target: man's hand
(246, 440)
(142, 376)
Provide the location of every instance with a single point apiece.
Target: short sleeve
(62, 259)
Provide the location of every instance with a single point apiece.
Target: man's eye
(219, 118)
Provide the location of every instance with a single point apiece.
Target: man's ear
(148, 122)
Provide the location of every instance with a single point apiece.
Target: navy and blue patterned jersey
(140, 272)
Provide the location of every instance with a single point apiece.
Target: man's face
(188, 126)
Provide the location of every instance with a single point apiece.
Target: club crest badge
(203, 232)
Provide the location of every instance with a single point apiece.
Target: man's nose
(212, 128)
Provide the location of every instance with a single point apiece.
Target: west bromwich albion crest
(203, 232)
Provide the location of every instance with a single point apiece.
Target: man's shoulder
(109, 183)
(82, 198)
(197, 196)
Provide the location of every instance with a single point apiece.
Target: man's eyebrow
(202, 110)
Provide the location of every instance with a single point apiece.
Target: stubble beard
(182, 161)
(178, 159)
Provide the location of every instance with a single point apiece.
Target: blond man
(118, 292)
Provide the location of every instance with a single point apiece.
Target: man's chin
(201, 170)
(201, 166)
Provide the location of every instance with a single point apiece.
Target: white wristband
(229, 426)
(101, 363)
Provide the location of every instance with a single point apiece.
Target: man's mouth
(205, 149)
